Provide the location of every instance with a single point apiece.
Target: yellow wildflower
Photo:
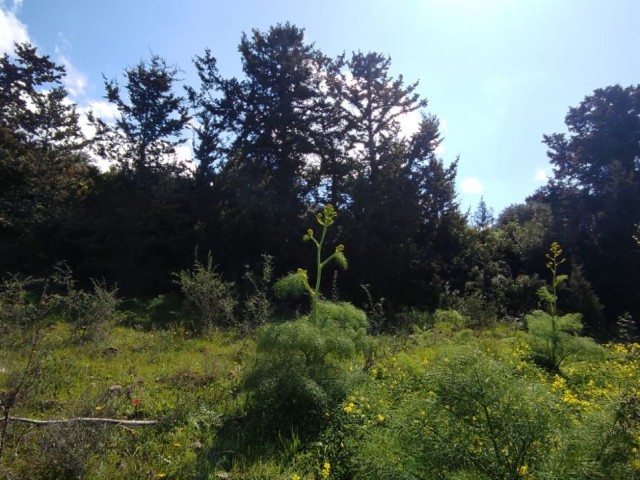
(326, 470)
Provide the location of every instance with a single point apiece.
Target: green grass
(418, 399)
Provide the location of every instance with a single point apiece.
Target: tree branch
(116, 421)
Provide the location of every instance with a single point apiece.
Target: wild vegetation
(455, 346)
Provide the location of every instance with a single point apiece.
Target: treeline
(300, 130)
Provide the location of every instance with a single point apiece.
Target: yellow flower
(326, 470)
(523, 470)
(161, 475)
(380, 418)
(349, 408)
(177, 445)
(295, 477)
(98, 408)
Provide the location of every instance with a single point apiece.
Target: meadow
(180, 387)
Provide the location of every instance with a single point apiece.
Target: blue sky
(498, 73)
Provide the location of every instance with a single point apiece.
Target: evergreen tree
(596, 190)
(138, 226)
(151, 121)
(483, 216)
(263, 186)
(43, 173)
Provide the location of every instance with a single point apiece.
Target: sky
(498, 73)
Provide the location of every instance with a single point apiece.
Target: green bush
(302, 372)
(449, 318)
(207, 295)
(91, 314)
(469, 416)
(257, 308)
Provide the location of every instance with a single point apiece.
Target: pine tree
(44, 174)
(150, 124)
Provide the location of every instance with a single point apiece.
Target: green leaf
(341, 260)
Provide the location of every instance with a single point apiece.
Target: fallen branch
(116, 421)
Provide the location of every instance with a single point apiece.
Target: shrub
(257, 307)
(449, 318)
(207, 295)
(91, 314)
(467, 416)
(302, 373)
(552, 337)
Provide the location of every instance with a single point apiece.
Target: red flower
(136, 401)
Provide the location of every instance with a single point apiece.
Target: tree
(596, 190)
(373, 103)
(44, 174)
(34, 111)
(403, 200)
(483, 216)
(263, 183)
(210, 150)
(138, 226)
(150, 124)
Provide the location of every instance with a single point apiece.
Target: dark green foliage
(627, 328)
(33, 111)
(151, 120)
(483, 216)
(260, 183)
(596, 190)
(578, 296)
(44, 176)
(302, 372)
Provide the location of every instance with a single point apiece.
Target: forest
(306, 299)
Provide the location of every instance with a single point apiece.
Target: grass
(418, 398)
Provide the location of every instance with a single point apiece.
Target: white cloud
(184, 153)
(74, 81)
(444, 125)
(409, 123)
(12, 30)
(471, 185)
(101, 109)
(541, 175)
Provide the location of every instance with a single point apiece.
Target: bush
(553, 339)
(443, 319)
(468, 416)
(207, 295)
(257, 306)
(302, 372)
(91, 314)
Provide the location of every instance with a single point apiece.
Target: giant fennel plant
(303, 369)
(553, 336)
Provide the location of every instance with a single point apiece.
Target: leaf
(546, 295)
(341, 260)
